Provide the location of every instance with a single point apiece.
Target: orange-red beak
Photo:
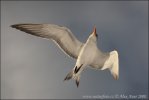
(94, 31)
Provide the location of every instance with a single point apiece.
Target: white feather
(61, 35)
(113, 64)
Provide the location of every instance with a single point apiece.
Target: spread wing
(61, 35)
(107, 61)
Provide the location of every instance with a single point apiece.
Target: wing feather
(61, 35)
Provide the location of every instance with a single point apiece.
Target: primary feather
(61, 35)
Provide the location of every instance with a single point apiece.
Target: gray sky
(34, 68)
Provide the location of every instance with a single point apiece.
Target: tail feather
(77, 80)
(69, 76)
(72, 75)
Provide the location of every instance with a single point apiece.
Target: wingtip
(115, 76)
(14, 26)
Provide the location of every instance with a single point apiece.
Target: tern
(87, 54)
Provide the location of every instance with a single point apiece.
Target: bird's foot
(77, 69)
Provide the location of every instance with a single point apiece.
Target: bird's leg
(77, 74)
(77, 69)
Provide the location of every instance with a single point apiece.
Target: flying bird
(87, 54)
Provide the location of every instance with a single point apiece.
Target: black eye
(97, 35)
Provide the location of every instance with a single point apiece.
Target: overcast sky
(34, 68)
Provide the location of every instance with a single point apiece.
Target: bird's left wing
(61, 35)
(107, 61)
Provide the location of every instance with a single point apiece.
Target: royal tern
(87, 54)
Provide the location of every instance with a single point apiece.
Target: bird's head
(94, 35)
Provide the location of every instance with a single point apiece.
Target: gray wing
(107, 61)
(61, 35)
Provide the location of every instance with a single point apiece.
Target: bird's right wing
(61, 35)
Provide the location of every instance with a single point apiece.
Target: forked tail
(72, 75)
